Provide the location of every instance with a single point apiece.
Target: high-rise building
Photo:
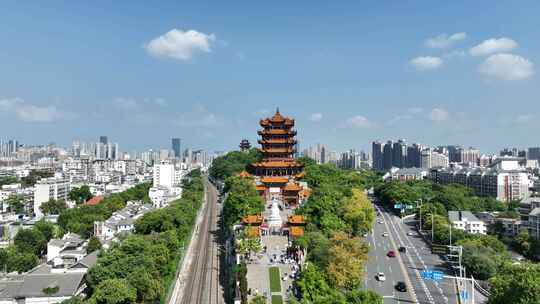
(103, 140)
(534, 153)
(377, 155)
(454, 153)
(432, 159)
(175, 145)
(387, 155)
(470, 156)
(414, 156)
(399, 154)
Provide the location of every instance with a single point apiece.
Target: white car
(380, 221)
(410, 233)
(381, 277)
(385, 234)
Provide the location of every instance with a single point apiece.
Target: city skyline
(350, 73)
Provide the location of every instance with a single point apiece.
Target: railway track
(203, 285)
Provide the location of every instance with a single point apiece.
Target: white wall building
(49, 188)
(465, 220)
(504, 179)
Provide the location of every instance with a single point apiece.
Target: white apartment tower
(49, 188)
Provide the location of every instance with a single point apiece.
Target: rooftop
(456, 216)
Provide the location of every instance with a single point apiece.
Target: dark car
(402, 249)
(401, 286)
(391, 254)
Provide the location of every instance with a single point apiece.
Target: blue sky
(453, 72)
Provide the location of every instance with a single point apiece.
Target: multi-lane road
(198, 281)
(405, 267)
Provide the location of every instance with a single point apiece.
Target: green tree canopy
(115, 291)
(243, 199)
(53, 206)
(516, 284)
(80, 194)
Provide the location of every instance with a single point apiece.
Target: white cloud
(358, 121)
(438, 115)
(425, 63)
(524, 118)
(316, 117)
(506, 67)
(493, 45)
(444, 41)
(200, 117)
(415, 110)
(180, 45)
(32, 113)
(126, 103)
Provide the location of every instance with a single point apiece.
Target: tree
(16, 203)
(258, 300)
(516, 284)
(80, 195)
(115, 291)
(30, 240)
(312, 283)
(47, 229)
(363, 297)
(20, 261)
(93, 244)
(53, 206)
(347, 257)
(149, 289)
(72, 300)
(358, 212)
(241, 201)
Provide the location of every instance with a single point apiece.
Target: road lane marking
(422, 282)
(402, 266)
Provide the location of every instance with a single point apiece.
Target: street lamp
(420, 214)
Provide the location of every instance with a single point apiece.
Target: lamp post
(420, 214)
(432, 228)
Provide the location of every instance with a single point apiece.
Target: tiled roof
(94, 200)
(252, 219)
(296, 219)
(274, 179)
(296, 231)
(277, 164)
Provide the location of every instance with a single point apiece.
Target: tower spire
(277, 110)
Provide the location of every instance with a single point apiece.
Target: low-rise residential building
(162, 196)
(122, 221)
(407, 174)
(466, 221)
(66, 251)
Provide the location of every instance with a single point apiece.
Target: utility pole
(432, 228)
(420, 212)
(450, 234)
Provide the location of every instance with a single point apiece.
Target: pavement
(259, 264)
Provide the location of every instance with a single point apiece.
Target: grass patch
(277, 300)
(275, 281)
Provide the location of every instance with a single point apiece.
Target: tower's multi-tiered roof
(278, 147)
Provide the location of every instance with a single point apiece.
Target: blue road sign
(437, 275)
(397, 206)
(464, 295)
(427, 274)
